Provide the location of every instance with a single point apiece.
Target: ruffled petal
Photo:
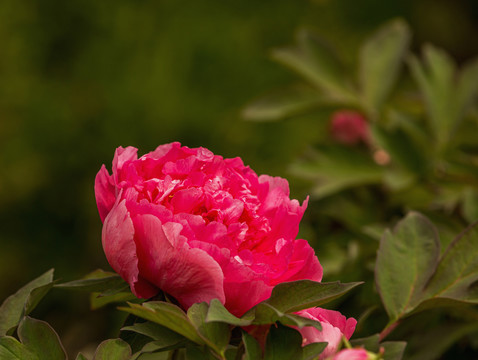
(104, 192)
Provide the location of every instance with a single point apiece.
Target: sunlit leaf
(41, 339)
(303, 294)
(167, 315)
(113, 349)
(218, 333)
(12, 349)
(217, 312)
(456, 276)
(406, 259)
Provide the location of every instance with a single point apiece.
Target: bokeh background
(79, 78)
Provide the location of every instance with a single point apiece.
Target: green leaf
(370, 343)
(167, 315)
(318, 65)
(433, 344)
(155, 350)
(218, 333)
(303, 294)
(283, 343)
(12, 308)
(98, 300)
(435, 80)
(35, 296)
(267, 314)
(406, 259)
(281, 104)
(467, 87)
(401, 148)
(97, 281)
(231, 353)
(163, 336)
(379, 63)
(113, 349)
(80, 356)
(312, 351)
(393, 349)
(456, 276)
(217, 312)
(41, 339)
(470, 204)
(12, 349)
(252, 349)
(195, 352)
(334, 169)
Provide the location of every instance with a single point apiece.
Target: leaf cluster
(160, 329)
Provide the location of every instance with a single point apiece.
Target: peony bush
(207, 266)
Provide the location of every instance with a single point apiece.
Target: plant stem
(388, 329)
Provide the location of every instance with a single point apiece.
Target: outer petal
(104, 192)
(167, 261)
(242, 296)
(120, 249)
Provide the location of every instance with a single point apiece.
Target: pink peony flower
(199, 226)
(351, 354)
(349, 127)
(334, 326)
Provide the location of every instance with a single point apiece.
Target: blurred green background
(81, 77)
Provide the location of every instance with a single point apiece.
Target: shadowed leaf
(380, 60)
(12, 308)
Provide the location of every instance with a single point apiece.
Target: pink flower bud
(349, 127)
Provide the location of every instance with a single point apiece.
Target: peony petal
(187, 200)
(190, 275)
(120, 249)
(351, 354)
(104, 192)
(122, 156)
(242, 296)
(303, 264)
